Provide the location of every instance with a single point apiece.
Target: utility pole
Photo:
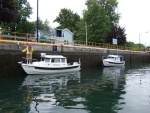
(86, 32)
(37, 21)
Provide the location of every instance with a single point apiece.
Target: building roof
(67, 30)
(53, 31)
(45, 32)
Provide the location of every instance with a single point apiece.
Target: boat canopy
(115, 56)
(120, 56)
(54, 56)
(43, 55)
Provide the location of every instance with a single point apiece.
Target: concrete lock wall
(10, 54)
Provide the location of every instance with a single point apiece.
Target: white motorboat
(50, 64)
(113, 60)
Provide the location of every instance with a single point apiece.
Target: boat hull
(113, 63)
(31, 69)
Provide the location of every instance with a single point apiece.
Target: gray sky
(135, 15)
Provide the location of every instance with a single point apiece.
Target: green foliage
(118, 33)
(80, 35)
(133, 45)
(21, 24)
(43, 25)
(24, 9)
(68, 19)
(8, 11)
(100, 17)
(25, 26)
(21, 12)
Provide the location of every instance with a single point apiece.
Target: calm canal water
(108, 90)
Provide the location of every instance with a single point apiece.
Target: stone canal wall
(10, 54)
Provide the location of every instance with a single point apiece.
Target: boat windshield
(42, 59)
(55, 60)
(110, 57)
(58, 60)
(63, 60)
(47, 59)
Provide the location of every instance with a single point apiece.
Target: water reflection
(46, 93)
(51, 81)
(111, 90)
(137, 97)
(113, 74)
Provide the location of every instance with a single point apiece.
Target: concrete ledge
(89, 56)
(13, 45)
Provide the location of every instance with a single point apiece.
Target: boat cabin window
(47, 59)
(55, 60)
(110, 57)
(63, 60)
(42, 59)
(121, 59)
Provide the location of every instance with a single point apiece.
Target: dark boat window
(63, 60)
(42, 59)
(55, 60)
(110, 57)
(47, 60)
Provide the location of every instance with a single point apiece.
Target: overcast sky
(135, 15)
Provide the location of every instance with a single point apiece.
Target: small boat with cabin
(113, 60)
(50, 64)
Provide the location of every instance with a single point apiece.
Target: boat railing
(104, 57)
(69, 63)
(29, 59)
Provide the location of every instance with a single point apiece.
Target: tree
(19, 21)
(100, 17)
(118, 33)
(81, 32)
(132, 44)
(8, 11)
(68, 19)
(44, 25)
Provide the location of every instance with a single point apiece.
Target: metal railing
(7, 35)
(26, 37)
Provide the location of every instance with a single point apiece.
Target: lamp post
(140, 37)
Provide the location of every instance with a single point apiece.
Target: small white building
(56, 36)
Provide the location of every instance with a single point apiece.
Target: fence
(7, 35)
